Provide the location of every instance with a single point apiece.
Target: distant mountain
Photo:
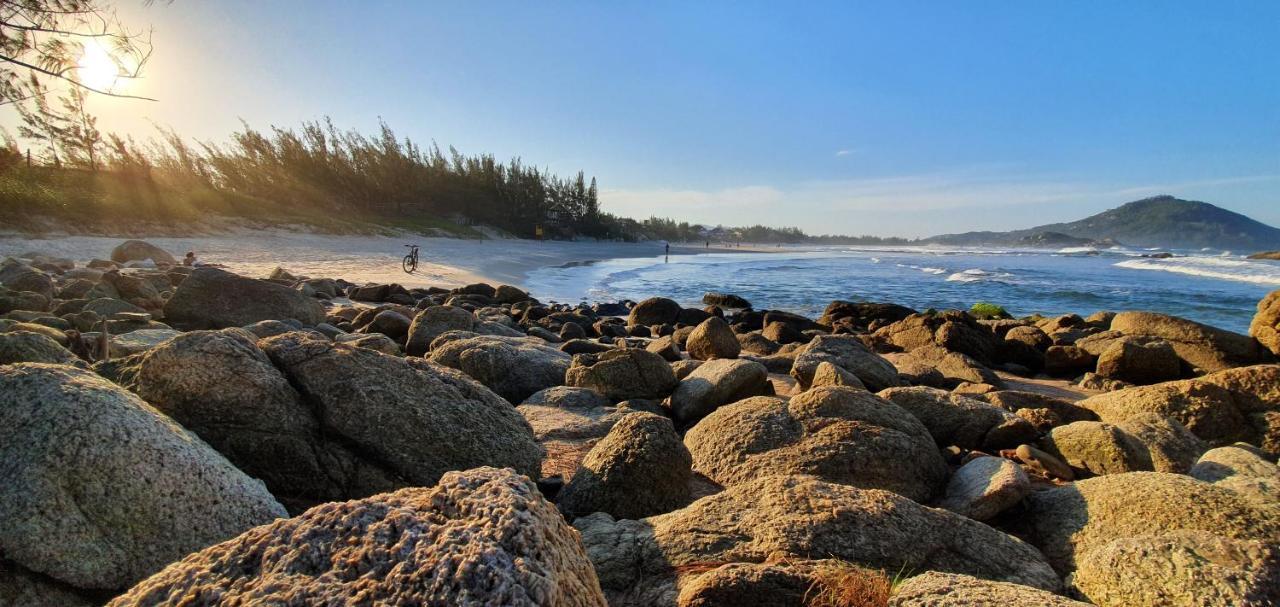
(1160, 221)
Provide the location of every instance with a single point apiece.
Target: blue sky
(895, 118)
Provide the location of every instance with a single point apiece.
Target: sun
(96, 69)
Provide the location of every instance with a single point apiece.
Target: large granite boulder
(936, 589)
(644, 562)
(1265, 326)
(639, 469)
(985, 487)
(713, 339)
(842, 435)
(954, 419)
(1243, 469)
(940, 368)
(219, 385)
(717, 383)
(480, 537)
(849, 353)
(28, 347)
(1181, 568)
(951, 330)
(18, 276)
(215, 299)
(408, 420)
(141, 250)
(98, 490)
(513, 367)
(1199, 346)
(1068, 522)
(1140, 361)
(1221, 408)
(654, 311)
(567, 422)
(623, 373)
(434, 322)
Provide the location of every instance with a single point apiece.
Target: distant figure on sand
(190, 259)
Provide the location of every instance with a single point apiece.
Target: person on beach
(190, 259)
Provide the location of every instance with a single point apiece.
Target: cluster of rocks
(180, 436)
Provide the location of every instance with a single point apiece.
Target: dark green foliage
(988, 311)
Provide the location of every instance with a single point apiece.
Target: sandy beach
(444, 262)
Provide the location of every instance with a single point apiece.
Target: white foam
(978, 275)
(1210, 267)
(1070, 250)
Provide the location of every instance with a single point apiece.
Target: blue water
(1217, 289)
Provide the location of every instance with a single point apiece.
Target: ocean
(1215, 288)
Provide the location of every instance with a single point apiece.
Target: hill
(1160, 221)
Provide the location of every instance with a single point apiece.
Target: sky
(890, 118)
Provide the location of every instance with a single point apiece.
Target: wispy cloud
(843, 152)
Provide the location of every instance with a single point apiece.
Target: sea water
(1212, 287)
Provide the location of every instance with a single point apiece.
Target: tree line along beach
(196, 435)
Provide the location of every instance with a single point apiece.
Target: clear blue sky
(895, 118)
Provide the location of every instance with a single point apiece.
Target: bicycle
(410, 263)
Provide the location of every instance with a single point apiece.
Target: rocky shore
(189, 436)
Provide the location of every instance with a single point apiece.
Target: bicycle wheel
(409, 264)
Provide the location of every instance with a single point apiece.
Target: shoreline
(444, 262)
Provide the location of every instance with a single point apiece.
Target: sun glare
(96, 68)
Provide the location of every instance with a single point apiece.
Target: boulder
(666, 348)
(434, 322)
(566, 397)
(985, 487)
(409, 421)
(1221, 408)
(716, 383)
(1265, 326)
(641, 562)
(107, 307)
(1242, 469)
(28, 347)
(639, 469)
(622, 374)
(756, 343)
(713, 339)
(1167, 445)
(375, 341)
(839, 434)
(849, 353)
(654, 311)
(98, 490)
(141, 250)
(214, 299)
(940, 368)
(1068, 361)
(1068, 522)
(508, 294)
(951, 330)
(828, 374)
(1043, 463)
(936, 589)
(1140, 361)
(1199, 346)
(783, 582)
(480, 537)
(390, 323)
(1181, 568)
(136, 342)
(18, 276)
(863, 315)
(567, 423)
(1097, 448)
(783, 333)
(725, 300)
(968, 423)
(513, 367)
(1043, 411)
(220, 386)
